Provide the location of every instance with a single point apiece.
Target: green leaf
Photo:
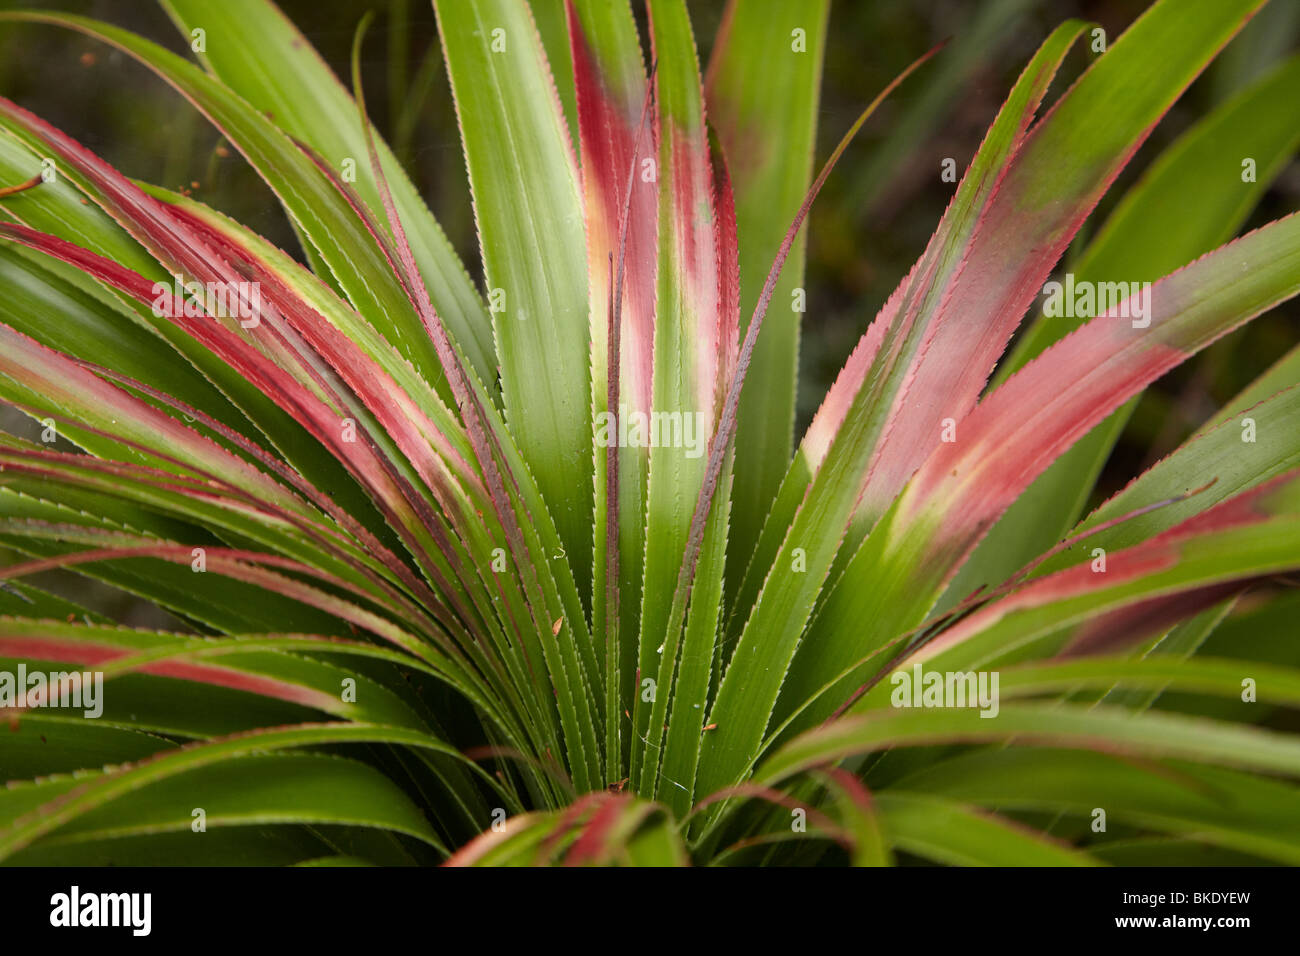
(524, 178)
(57, 208)
(1148, 734)
(880, 366)
(553, 29)
(952, 833)
(971, 307)
(1282, 374)
(255, 50)
(224, 846)
(1153, 230)
(240, 791)
(861, 817)
(34, 293)
(1234, 543)
(762, 96)
(1180, 643)
(1197, 675)
(697, 670)
(694, 349)
(1217, 455)
(896, 576)
(1211, 804)
(336, 230)
(124, 781)
(39, 745)
(616, 141)
(796, 596)
(268, 666)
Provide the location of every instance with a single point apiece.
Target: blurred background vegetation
(871, 223)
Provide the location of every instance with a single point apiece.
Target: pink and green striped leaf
(620, 202)
(1154, 229)
(762, 91)
(253, 48)
(695, 342)
(894, 579)
(527, 202)
(941, 263)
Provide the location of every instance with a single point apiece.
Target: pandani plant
(533, 573)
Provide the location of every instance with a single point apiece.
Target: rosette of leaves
(423, 613)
